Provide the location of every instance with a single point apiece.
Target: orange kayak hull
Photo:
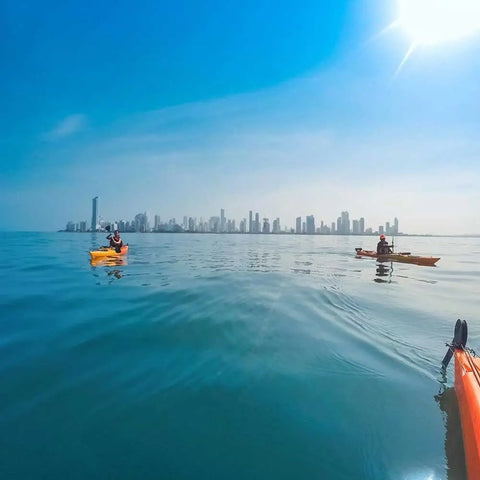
(108, 252)
(467, 388)
(399, 257)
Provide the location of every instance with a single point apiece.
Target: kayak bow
(467, 388)
(398, 257)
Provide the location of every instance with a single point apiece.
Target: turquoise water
(229, 356)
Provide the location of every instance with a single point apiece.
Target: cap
(382, 236)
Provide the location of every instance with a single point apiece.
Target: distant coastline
(459, 235)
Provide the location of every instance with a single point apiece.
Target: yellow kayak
(108, 252)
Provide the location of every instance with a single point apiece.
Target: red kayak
(467, 389)
(403, 257)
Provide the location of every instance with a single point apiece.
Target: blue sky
(286, 108)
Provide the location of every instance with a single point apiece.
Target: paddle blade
(460, 335)
(446, 359)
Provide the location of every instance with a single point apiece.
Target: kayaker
(382, 246)
(115, 241)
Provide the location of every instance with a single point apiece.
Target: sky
(285, 108)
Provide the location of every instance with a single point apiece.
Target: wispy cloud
(67, 127)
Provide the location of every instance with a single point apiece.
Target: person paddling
(115, 241)
(382, 246)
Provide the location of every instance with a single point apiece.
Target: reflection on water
(108, 261)
(383, 273)
(278, 338)
(454, 452)
(114, 273)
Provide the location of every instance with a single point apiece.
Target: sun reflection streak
(413, 46)
(394, 25)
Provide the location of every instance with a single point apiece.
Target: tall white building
(223, 226)
(298, 225)
(243, 224)
(310, 220)
(266, 226)
(345, 223)
(355, 227)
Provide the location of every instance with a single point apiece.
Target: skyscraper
(395, 226)
(243, 225)
(345, 223)
(355, 227)
(157, 222)
(94, 214)
(222, 220)
(310, 224)
(257, 223)
(298, 225)
(250, 222)
(141, 223)
(266, 226)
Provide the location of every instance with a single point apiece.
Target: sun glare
(434, 22)
(430, 22)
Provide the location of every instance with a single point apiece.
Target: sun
(436, 22)
(430, 22)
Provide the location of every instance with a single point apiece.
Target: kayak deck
(398, 257)
(467, 388)
(108, 252)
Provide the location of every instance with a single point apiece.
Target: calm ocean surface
(230, 357)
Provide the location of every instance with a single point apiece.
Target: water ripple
(250, 356)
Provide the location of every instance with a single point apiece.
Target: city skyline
(253, 224)
(214, 224)
(332, 106)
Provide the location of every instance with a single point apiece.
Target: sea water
(203, 356)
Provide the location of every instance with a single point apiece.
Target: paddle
(109, 236)
(459, 341)
(117, 248)
(106, 247)
(400, 253)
